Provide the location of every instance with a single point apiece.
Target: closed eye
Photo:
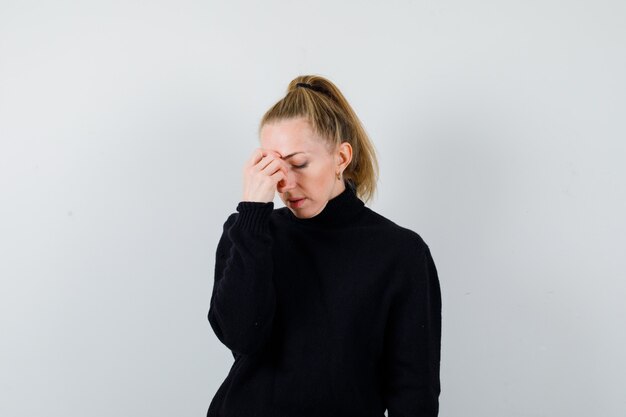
(300, 166)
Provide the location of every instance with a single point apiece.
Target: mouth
(296, 202)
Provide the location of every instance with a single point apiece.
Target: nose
(288, 183)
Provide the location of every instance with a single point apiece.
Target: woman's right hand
(261, 174)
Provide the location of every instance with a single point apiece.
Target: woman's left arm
(413, 341)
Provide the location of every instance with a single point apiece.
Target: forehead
(289, 136)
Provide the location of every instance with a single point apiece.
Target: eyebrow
(290, 155)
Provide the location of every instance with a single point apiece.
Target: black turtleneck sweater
(337, 315)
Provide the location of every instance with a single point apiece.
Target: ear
(344, 156)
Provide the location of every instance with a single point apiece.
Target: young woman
(329, 308)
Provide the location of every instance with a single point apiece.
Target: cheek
(313, 177)
(319, 178)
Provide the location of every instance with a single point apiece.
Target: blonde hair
(332, 118)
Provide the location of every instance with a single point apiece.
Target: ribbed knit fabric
(337, 315)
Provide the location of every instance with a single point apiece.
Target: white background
(500, 127)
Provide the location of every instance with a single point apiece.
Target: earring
(338, 176)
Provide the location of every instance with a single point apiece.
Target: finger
(278, 176)
(270, 152)
(264, 162)
(275, 166)
(254, 159)
(269, 156)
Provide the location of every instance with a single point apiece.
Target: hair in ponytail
(331, 117)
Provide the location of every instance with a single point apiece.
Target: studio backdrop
(124, 127)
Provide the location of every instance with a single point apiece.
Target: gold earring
(338, 176)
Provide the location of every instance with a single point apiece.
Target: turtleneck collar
(339, 210)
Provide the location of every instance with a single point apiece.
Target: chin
(299, 212)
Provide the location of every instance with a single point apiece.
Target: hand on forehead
(270, 151)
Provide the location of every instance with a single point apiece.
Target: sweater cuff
(254, 215)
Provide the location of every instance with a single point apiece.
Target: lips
(296, 203)
(293, 200)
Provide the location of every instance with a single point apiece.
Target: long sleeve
(413, 341)
(243, 300)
